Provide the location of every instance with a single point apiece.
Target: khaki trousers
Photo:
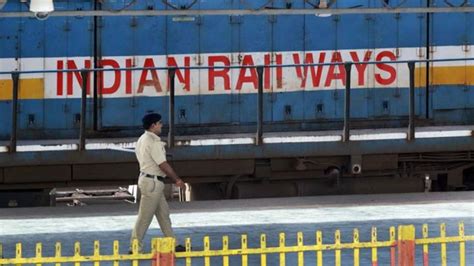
(152, 202)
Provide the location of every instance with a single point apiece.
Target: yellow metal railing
(401, 250)
(282, 249)
(77, 258)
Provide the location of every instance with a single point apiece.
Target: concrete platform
(252, 217)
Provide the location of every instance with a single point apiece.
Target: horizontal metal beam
(235, 152)
(245, 12)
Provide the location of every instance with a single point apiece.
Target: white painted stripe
(112, 146)
(130, 146)
(444, 134)
(213, 142)
(58, 147)
(302, 139)
(199, 79)
(379, 136)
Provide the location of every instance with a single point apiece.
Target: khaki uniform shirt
(150, 152)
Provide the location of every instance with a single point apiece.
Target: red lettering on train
(390, 70)
(243, 77)
(71, 65)
(268, 72)
(332, 74)
(279, 71)
(128, 76)
(385, 74)
(59, 79)
(223, 73)
(315, 73)
(186, 78)
(117, 76)
(361, 68)
(153, 82)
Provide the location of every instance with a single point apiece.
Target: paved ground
(253, 217)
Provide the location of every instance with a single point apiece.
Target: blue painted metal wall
(135, 36)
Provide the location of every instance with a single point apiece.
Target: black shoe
(179, 248)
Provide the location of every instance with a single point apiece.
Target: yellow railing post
(165, 254)
(337, 251)
(282, 247)
(39, 251)
(18, 252)
(263, 245)
(77, 252)
(406, 245)
(374, 249)
(134, 251)
(356, 249)
(188, 249)
(319, 244)
(245, 257)
(225, 247)
(207, 247)
(442, 229)
(393, 243)
(426, 257)
(96, 253)
(116, 252)
(462, 246)
(401, 248)
(300, 246)
(57, 252)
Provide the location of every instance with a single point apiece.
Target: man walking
(154, 170)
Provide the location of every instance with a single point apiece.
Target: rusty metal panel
(214, 167)
(380, 162)
(37, 174)
(109, 172)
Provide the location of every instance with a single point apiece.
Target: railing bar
(263, 245)
(116, 249)
(374, 249)
(300, 245)
(77, 251)
(82, 129)
(57, 252)
(207, 247)
(96, 253)
(171, 106)
(225, 246)
(135, 248)
(337, 251)
(39, 250)
(356, 250)
(462, 246)
(319, 245)
(443, 245)
(234, 67)
(188, 249)
(425, 246)
(347, 103)
(244, 248)
(259, 134)
(263, 250)
(14, 128)
(411, 99)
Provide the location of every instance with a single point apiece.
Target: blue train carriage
(224, 101)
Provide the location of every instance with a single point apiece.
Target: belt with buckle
(162, 179)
